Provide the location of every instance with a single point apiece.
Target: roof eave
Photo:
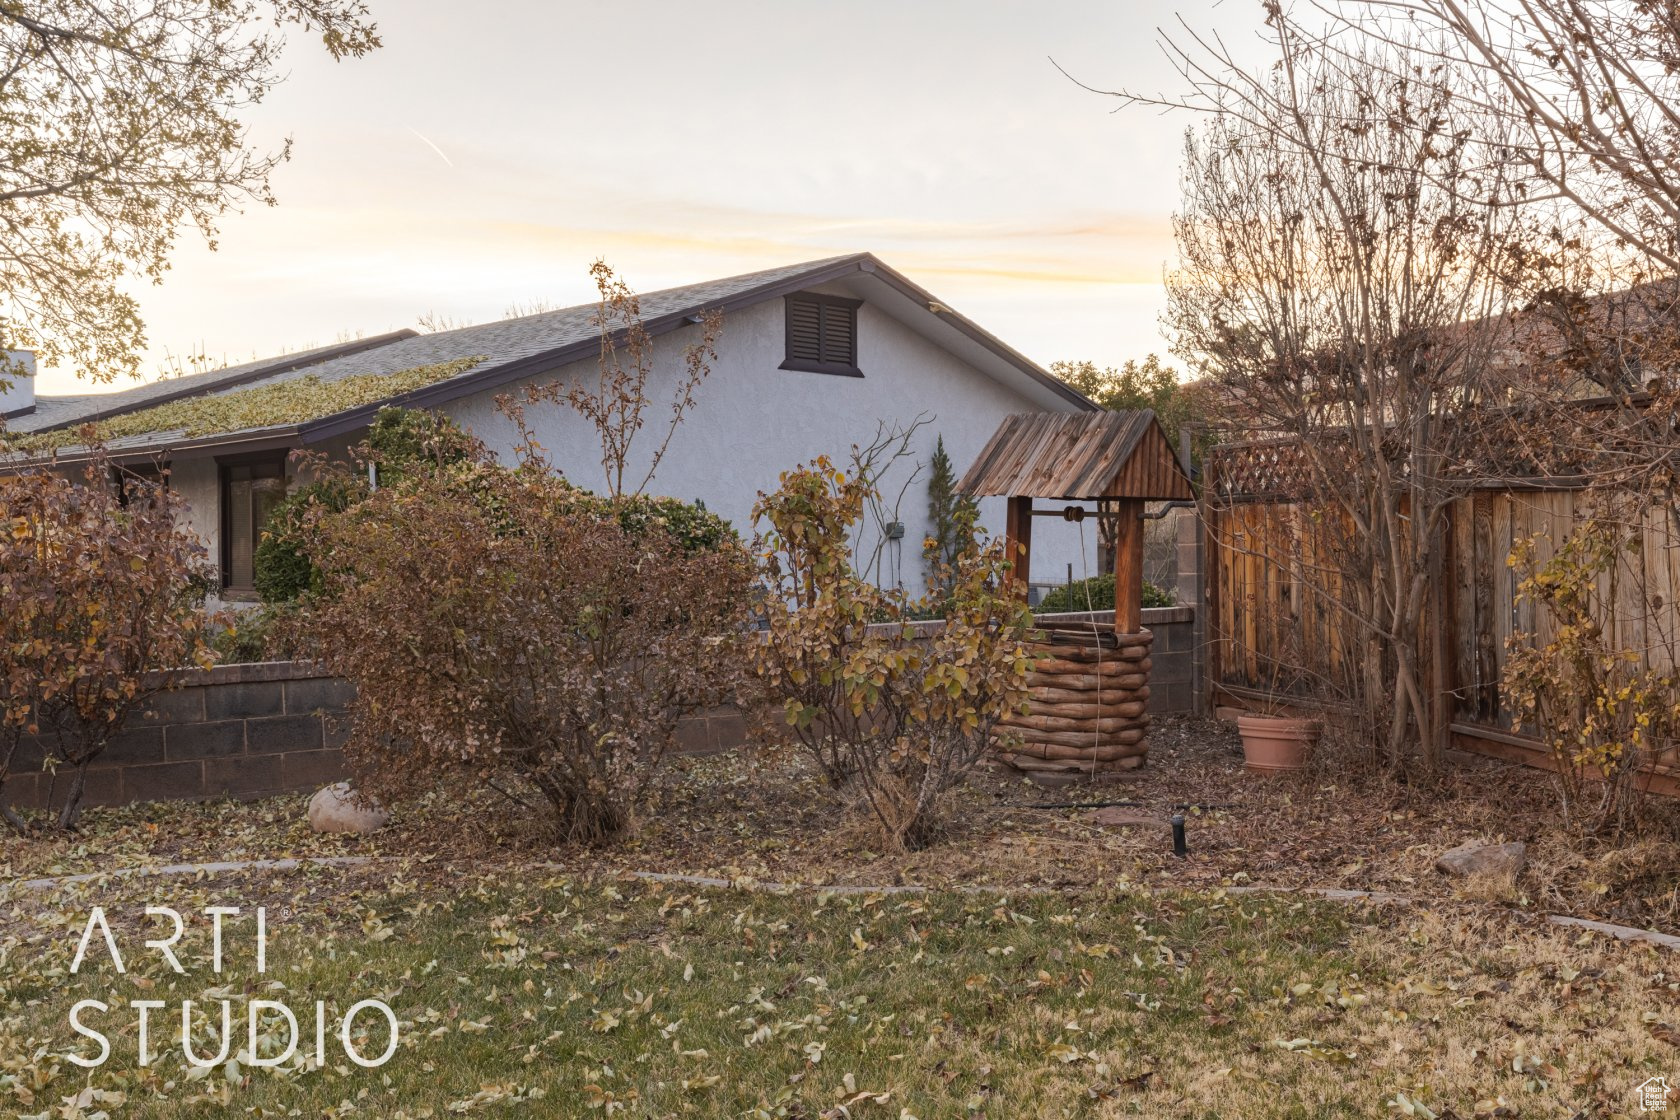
(253, 439)
(909, 288)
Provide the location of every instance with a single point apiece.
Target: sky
(489, 152)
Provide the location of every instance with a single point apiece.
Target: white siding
(752, 420)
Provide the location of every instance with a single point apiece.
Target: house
(886, 352)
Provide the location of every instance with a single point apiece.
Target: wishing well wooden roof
(1079, 456)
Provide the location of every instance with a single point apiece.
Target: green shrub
(257, 635)
(689, 525)
(279, 569)
(241, 643)
(400, 438)
(953, 521)
(693, 527)
(1096, 594)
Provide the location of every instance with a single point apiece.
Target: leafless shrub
(618, 402)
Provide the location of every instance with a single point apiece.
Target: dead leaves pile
(746, 816)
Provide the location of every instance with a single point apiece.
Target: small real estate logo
(258, 1010)
(1653, 1095)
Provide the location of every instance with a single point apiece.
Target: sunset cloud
(461, 172)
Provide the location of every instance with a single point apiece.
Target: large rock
(338, 809)
(1475, 859)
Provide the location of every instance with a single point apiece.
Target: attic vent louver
(822, 334)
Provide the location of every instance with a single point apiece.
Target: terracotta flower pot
(1277, 743)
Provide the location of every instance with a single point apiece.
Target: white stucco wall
(195, 480)
(752, 420)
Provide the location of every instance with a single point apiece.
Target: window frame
(826, 305)
(224, 499)
(153, 472)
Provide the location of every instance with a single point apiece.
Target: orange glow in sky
(488, 152)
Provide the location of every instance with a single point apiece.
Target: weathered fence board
(1275, 597)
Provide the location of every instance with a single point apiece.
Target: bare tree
(871, 464)
(1340, 297)
(1549, 191)
(1590, 90)
(617, 404)
(1585, 93)
(1581, 100)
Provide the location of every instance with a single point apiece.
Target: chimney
(17, 383)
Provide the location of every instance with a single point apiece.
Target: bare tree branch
(120, 124)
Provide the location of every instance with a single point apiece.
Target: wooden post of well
(1018, 534)
(1128, 565)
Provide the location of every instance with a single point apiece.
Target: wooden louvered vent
(822, 334)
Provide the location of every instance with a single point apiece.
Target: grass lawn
(1064, 963)
(542, 995)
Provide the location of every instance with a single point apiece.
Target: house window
(822, 334)
(251, 488)
(132, 480)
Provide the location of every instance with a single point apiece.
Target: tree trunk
(72, 810)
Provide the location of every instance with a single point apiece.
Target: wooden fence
(1273, 595)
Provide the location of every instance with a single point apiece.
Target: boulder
(337, 808)
(1477, 858)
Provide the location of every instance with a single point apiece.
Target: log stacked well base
(1088, 705)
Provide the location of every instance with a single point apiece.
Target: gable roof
(1079, 457)
(519, 349)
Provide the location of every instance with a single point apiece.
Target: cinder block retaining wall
(235, 730)
(251, 730)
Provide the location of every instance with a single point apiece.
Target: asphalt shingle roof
(512, 339)
(511, 348)
(500, 343)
